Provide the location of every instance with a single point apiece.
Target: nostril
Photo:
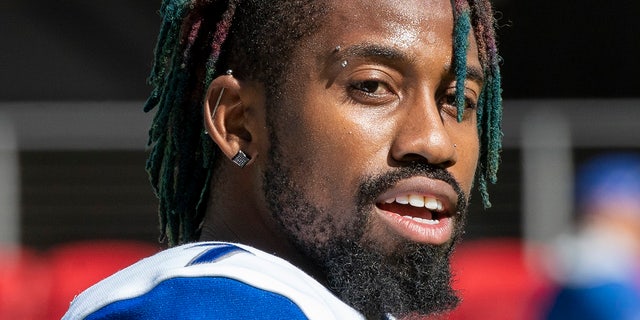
(443, 160)
(446, 164)
(414, 157)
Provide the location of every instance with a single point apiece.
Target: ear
(225, 117)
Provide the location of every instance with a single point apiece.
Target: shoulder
(209, 280)
(610, 300)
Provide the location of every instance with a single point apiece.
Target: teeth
(425, 221)
(433, 204)
(402, 199)
(418, 201)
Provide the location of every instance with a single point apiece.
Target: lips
(419, 209)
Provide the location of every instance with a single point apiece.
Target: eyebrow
(395, 56)
(474, 73)
(375, 51)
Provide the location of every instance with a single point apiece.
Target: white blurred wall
(9, 184)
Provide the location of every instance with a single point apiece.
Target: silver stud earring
(241, 159)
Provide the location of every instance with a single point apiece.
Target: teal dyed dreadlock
(199, 39)
(480, 14)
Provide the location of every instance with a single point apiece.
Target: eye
(450, 100)
(371, 87)
(370, 92)
(448, 105)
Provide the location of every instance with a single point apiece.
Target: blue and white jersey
(210, 280)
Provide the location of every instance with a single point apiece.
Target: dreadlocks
(200, 39)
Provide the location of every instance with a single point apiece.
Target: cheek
(333, 147)
(355, 140)
(314, 148)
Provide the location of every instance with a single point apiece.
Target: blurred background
(73, 134)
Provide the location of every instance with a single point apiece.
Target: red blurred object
(75, 267)
(24, 284)
(498, 279)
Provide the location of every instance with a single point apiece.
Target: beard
(411, 281)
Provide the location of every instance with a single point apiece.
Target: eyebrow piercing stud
(344, 63)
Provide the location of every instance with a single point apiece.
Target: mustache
(372, 186)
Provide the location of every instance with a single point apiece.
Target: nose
(422, 136)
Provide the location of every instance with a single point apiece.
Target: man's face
(368, 170)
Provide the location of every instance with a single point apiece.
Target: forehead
(417, 27)
(403, 19)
